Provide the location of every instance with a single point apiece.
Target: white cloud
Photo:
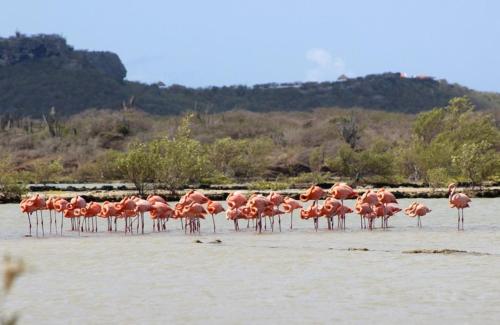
(325, 66)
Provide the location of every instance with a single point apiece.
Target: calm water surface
(292, 277)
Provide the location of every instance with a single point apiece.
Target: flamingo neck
(452, 192)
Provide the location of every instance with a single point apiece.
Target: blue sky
(202, 43)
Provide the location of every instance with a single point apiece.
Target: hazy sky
(202, 43)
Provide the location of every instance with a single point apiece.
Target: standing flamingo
(363, 209)
(60, 206)
(50, 206)
(141, 206)
(214, 208)
(313, 193)
(417, 210)
(277, 200)
(289, 205)
(342, 191)
(311, 212)
(39, 205)
(370, 198)
(160, 212)
(385, 197)
(460, 201)
(28, 207)
(91, 210)
(193, 212)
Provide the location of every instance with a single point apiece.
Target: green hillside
(41, 71)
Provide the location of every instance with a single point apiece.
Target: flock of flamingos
(256, 209)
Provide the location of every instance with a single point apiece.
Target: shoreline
(220, 193)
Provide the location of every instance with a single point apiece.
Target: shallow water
(294, 276)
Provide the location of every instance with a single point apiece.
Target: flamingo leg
(213, 221)
(29, 221)
(260, 222)
(458, 223)
(462, 219)
(343, 213)
(291, 219)
(55, 222)
(36, 214)
(41, 217)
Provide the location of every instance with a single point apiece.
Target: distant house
(342, 77)
(423, 77)
(403, 75)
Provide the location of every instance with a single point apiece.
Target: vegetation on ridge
(41, 71)
(454, 142)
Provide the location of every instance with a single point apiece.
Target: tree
(316, 158)
(45, 172)
(452, 138)
(138, 165)
(241, 158)
(349, 130)
(437, 177)
(477, 161)
(180, 161)
(357, 165)
(11, 181)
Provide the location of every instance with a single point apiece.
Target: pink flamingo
(76, 202)
(60, 205)
(257, 204)
(277, 199)
(50, 206)
(141, 206)
(194, 212)
(193, 196)
(417, 210)
(28, 207)
(236, 199)
(363, 209)
(109, 211)
(384, 198)
(156, 198)
(36, 203)
(126, 208)
(214, 208)
(330, 209)
(91, 210)
(313, 193)
(160, 212)
(311, 212)
(460, 201)
(235, 214)
(342, 191)
(370, 198)
(289, 206)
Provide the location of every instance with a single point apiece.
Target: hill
(42, 71)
